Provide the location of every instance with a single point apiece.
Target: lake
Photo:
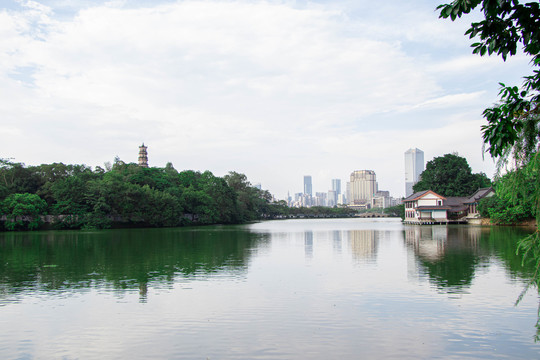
(289, 289)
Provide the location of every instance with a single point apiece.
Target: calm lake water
(294, 289)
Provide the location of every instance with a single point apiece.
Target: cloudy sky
(272, 89)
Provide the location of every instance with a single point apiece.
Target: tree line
(125, 194)
(78, 196)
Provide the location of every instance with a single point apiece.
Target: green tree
(507, 27)
(512, 132)
(450, 175)
(17, 178)
(397, 211)
(252, 202)
(23, 211)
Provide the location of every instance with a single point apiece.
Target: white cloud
(272, 89)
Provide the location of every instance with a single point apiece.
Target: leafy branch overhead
(507, 28)
(512, 132)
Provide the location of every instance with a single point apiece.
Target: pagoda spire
(143, 156)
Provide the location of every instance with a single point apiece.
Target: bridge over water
(371, 215)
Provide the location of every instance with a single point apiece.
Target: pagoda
(143, 156)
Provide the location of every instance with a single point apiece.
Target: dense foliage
(80, 197)
(511, 206)
(508, 26)
(512, 132)
(450, 175)
(396, 211)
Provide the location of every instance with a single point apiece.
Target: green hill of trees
(80, 197)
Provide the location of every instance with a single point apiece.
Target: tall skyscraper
(143, 156)
(362, 187)
(336, 186)
(334, 193)
(308, 188)
(331, 199)
(414, 165)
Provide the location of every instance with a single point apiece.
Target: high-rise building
(143, 156)
(362, 187)
(414, 165)
(334, 193)
(336, 186)
(320, 199)
(331, 199)
(308, 188)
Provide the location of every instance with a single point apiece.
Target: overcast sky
(272, 89)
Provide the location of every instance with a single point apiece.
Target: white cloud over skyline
(275, 89)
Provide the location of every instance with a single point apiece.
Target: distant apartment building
(414, 165)
(333, 194)
(381, 200)
(320, 199)
(362, 187)
(301, 200)
(308, 187)
(331, 200)
(336, 186)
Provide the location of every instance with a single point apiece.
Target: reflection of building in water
(427, 241)
(363, 243)
(446, 255)
(431, 242)
(336, 236)
(308, 244)
(474, 234)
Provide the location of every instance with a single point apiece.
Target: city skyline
(362, 191)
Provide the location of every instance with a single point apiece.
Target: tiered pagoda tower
(143, 156)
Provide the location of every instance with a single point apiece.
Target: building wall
(332, 198)
(308, 188)
(429, 200)
(336, 186)
(414, 165)
(363, 186)
(439, 214)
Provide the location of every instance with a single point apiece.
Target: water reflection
(337, 241)
(450, 255)
(363, 243)
(308, 244)
(126, 259)
(249, 293)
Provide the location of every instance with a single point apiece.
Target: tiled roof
(419, 194)
(455, 201)
(479, 194)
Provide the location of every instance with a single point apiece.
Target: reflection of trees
(501, 241)
(450, 254)
(130, 259)
(363, 243)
